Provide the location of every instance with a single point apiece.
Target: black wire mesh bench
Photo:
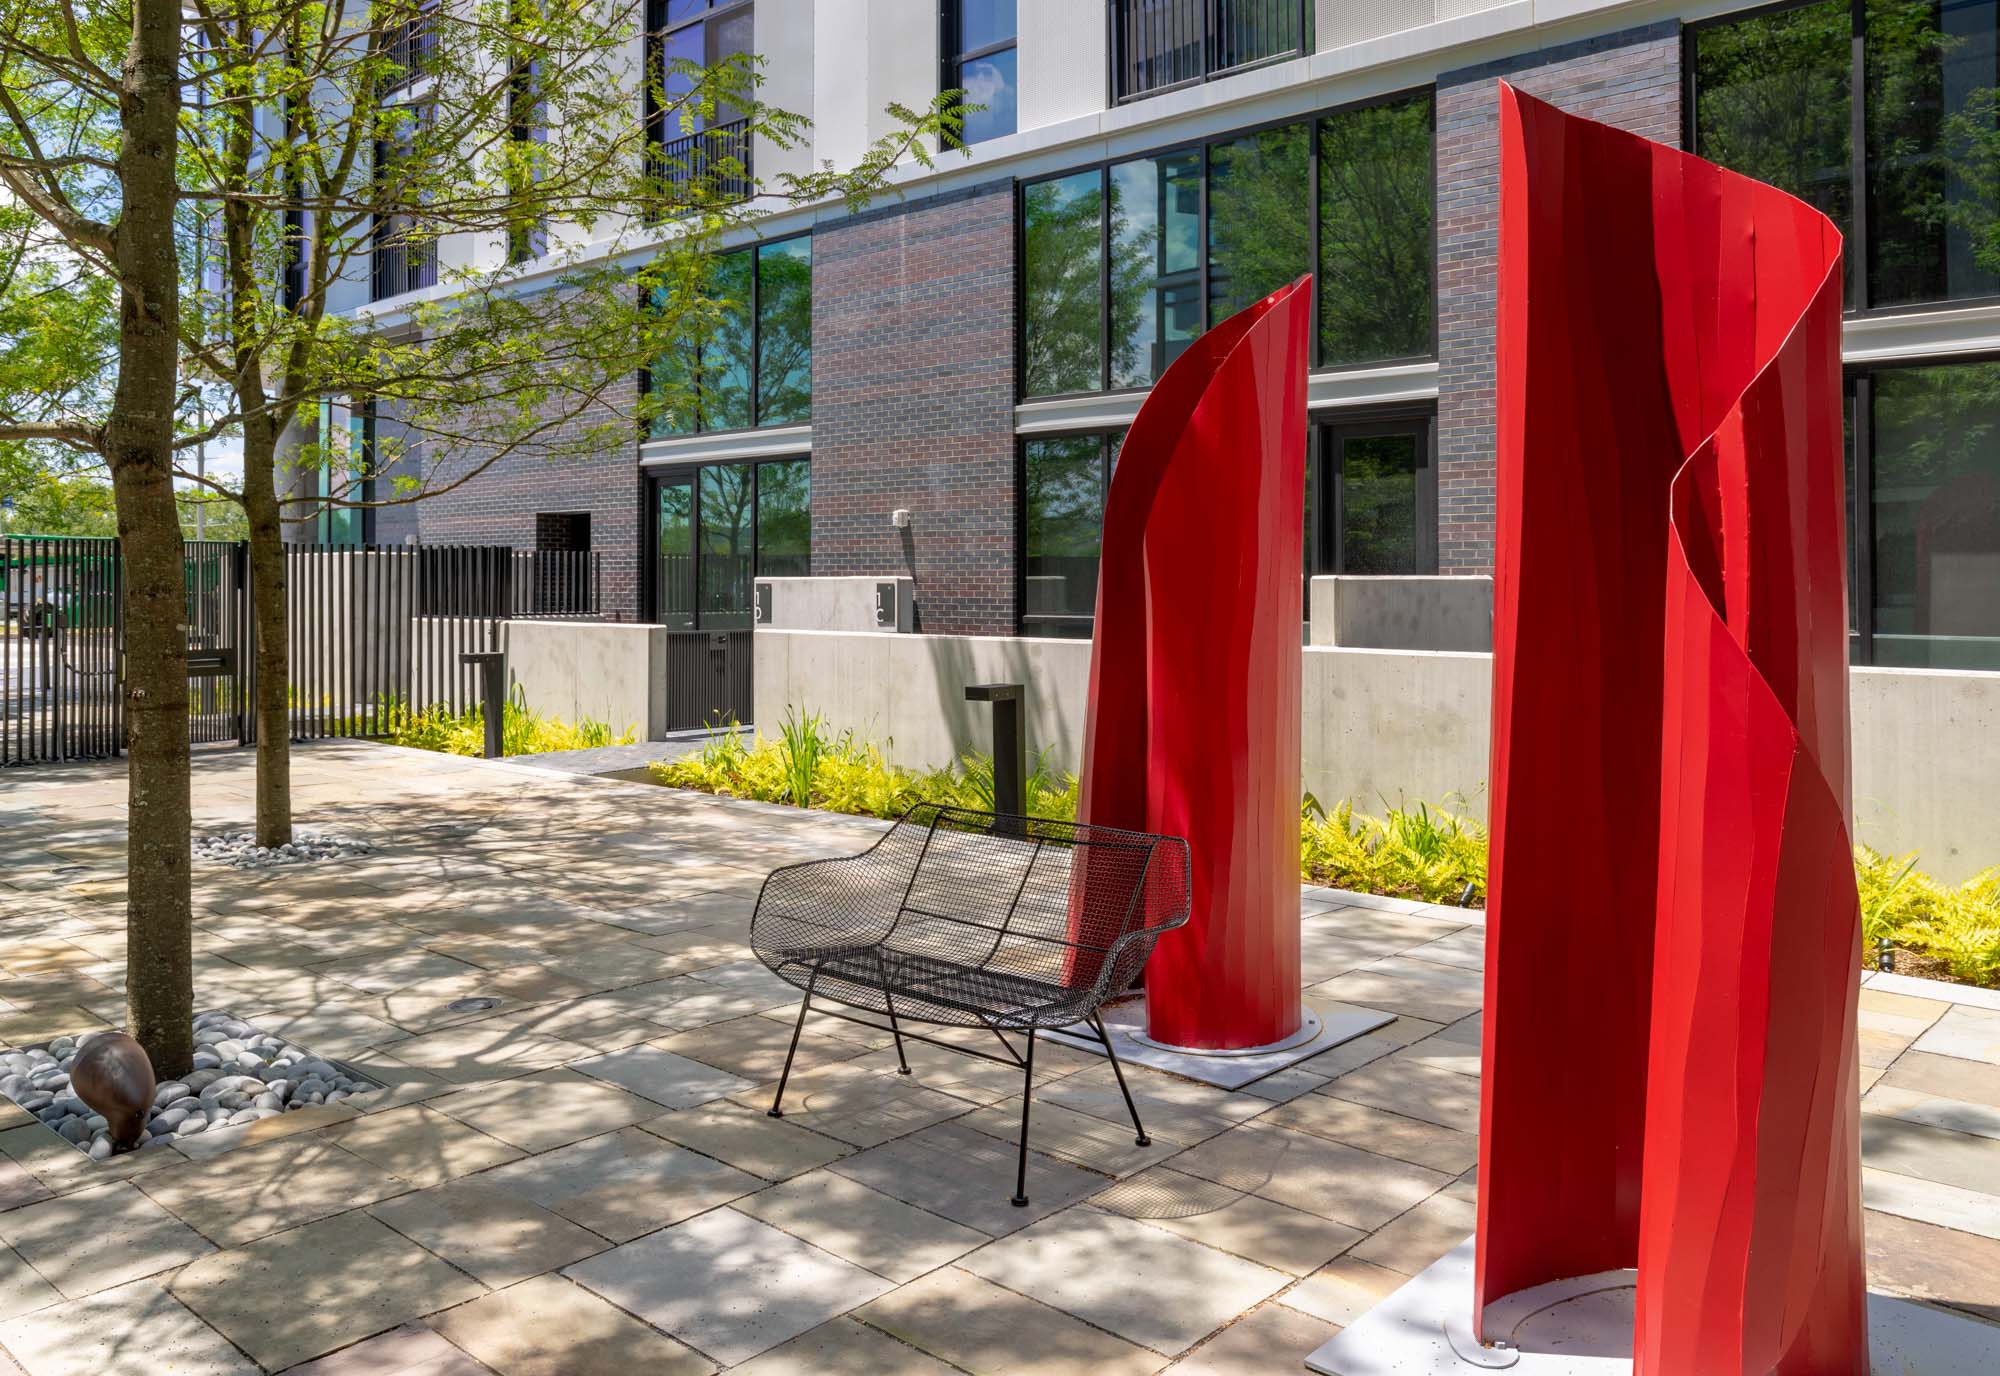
(975, 919)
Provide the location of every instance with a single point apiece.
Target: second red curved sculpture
(1193, 717)
(1673, 936)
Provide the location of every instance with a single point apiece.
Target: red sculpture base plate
(1125, 1024)
(1583, 1327)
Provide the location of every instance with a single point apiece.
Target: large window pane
(982, 23)
(1375, 236)
(723, 577)
(1062, 251)
(1933, 150)
(784, 519)
(1936, 505)
(1378, 504)
(674, 517)
(1063, 495)
(725, 357)
(784, 333)
(1155, 264)
(989, 81)
(1259, 237)
(1773, 100)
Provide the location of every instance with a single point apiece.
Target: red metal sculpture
(1673, 936)
(1193, 719)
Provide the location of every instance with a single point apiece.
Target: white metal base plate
(1125, 1024)
(1583, 1327)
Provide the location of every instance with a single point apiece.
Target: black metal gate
(708, 678)
(373, 631)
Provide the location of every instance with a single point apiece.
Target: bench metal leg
(902, 1064)
(1020, 1200)
(777, 1109)
(1097, 1021)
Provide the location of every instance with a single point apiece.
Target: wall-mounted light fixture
(900, 518)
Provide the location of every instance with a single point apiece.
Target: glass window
(1156, 44)
(1774, 96)
(674, 516)
(722, 577)
(1259, 234)
(1773, 100)
(724, 393)
(784, 333)
(1234, 221)
(1376, 248)
(1155, 264)
(784, 519)
(1377, 494)
(1933, 150)
(753, 364)
(981, 61)
(1062, 255)
(1063, 486)
(1934, 500)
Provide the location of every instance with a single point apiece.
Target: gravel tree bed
(240, 1076)
(239, 849)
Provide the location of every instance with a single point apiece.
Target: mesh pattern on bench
(960, 917)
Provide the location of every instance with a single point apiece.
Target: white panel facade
(1063, 61)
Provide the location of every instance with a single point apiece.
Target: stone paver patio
(581, 1179)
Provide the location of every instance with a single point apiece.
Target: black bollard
(1010, 745)
(492, 665)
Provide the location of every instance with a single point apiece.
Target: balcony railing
(708, 165)
(1160, 44)
(400, 265)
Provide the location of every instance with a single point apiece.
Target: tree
(87, 153)
(330, 148)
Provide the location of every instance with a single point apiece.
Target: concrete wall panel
(1388, 724)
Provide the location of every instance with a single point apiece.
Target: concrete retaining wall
(1403, 612)
(613, 672)
(835, 604)
(1389, 724)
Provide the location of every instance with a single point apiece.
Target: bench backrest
(1030, 896)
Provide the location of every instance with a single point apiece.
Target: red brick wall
(1631, 79)
(498, 506)
(913, 403)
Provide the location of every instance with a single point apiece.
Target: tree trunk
(274, 668)
(138, 446)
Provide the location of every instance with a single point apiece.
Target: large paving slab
(552, 1327)
(1148, 1286)
(622, 1184)
(136, 1329)
(299, 1294)
(968, 1177)
(728, 1285)
(493, 1235)
(867, 1227)
(989, 1330)
(99, 1238)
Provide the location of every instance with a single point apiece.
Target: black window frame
(1324, 472)
(1110, 439)
(690, 472)
(1211, 20)
(1857, 382)
(727, 136)
(1312, 120)
(756, 355)
(952, 59)
(1860, 230)
(393, 270)
(409, 43)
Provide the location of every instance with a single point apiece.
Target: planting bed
(240, 1076)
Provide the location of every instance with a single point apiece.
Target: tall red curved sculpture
(1673, 935)
(1193, 717)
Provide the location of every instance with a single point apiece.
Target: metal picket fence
(373, 631)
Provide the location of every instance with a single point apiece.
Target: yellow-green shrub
(522, 731)
(1409, 852)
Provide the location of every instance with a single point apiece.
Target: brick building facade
(913, 403)
(1632, 79)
